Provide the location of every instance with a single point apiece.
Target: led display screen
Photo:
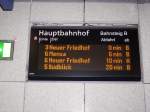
(88, 53)
(6, 49)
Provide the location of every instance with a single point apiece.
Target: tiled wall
(19, 95)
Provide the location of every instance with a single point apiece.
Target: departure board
(88, 53)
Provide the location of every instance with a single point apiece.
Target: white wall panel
(57, 11)
(14, 26)
(54, 97)
(144, 10)
(11, 97)
(100, 12)
(115, 97)
(147, 97)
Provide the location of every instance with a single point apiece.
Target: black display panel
(88, 53)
